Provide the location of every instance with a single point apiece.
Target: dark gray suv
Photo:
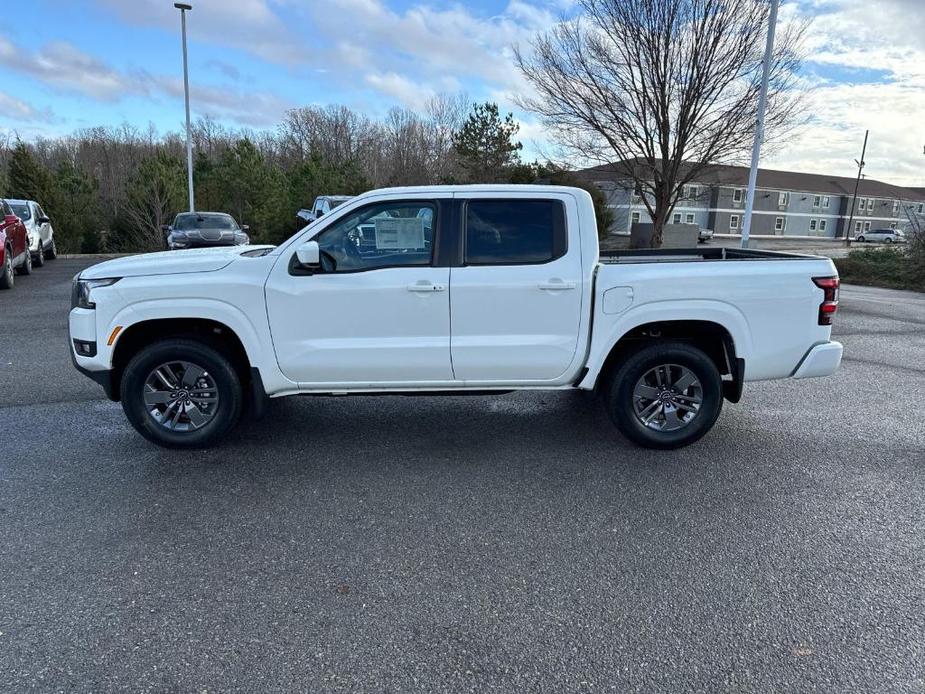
(203, 229)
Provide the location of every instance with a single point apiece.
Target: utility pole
(759, 124)
(183, 7)
(854, 199)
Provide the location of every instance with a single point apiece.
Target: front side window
(514, 232)
(386, 234)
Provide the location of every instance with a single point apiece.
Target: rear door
(516, 301)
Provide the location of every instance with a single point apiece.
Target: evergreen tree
(485, 145)
(28, 179)
(154, 195)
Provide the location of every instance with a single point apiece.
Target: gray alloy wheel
(26, 267)
(52, 252)
(39, 260)
(667, 397)
(180, 396)
(6, 277)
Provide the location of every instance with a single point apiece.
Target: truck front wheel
(665, 395)
(181, 393)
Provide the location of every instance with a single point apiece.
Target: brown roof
(721, 174)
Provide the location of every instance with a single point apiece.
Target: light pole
(854, 198)
(759, 124)
(183, 7)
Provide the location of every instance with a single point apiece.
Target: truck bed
(669, 255)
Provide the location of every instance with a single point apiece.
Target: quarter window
(388, 234)
(514, 232)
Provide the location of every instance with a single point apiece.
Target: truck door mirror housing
(309, 255)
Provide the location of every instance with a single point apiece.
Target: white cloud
(19, 110)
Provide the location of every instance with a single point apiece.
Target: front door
(378, 313)
(516, 301)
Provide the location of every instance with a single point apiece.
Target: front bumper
(95, 365)
(821, 360)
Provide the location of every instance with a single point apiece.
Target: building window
(821, 225)
(635, 217)
(866, 226)
(689, 218)
(676, 218)
(817, 200)
(892, 225)
(778, 224)
(783, 198)
(825, 200)
(921, 206)
(812, 225)
(737, 195)
(862, 204)
(870, 204)
(857, 227)
(895, 207)
(733, 221)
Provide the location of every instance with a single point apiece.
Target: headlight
(82, 290)
(241, 239)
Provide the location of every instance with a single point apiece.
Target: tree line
(111, 188)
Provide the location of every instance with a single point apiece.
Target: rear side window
(514, 232)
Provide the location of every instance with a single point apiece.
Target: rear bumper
(821, 360)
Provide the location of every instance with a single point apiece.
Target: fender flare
(721, 313)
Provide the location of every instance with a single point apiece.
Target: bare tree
(661, 89)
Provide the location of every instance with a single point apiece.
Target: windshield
(335, 202)
(188, 222)
(21, 211)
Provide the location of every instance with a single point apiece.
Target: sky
(72, 64)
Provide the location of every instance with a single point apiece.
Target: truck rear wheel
(181, 393)
(665, 395)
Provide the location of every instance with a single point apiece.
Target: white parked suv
(38, 228)
(882, 236)
(460, 289)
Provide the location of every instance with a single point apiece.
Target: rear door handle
(426, 287)
(557, 285)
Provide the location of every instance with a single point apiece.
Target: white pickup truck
(461, 289)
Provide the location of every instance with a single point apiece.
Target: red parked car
(14, 247)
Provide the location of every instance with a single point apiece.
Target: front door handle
(557, 285)
(426, 287)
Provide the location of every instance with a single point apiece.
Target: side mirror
(43, 220)
(245, 227)
(165, 227)
(309, 255)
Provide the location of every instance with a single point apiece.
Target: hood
(168, 262)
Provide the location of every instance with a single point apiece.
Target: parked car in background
(323, 205)
(38, 229)
(187, 341)
(882, 236)
(704, 235)
(14, 247)
(205, 229)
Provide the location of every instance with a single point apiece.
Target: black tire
(39, 259)
(52, 251)
(218, 368)
(620, 398)
(860, 239)
(26, 267)
(887, 240)
(6, 272)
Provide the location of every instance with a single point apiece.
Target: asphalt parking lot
(515, 543)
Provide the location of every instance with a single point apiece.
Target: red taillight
(829, 305)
